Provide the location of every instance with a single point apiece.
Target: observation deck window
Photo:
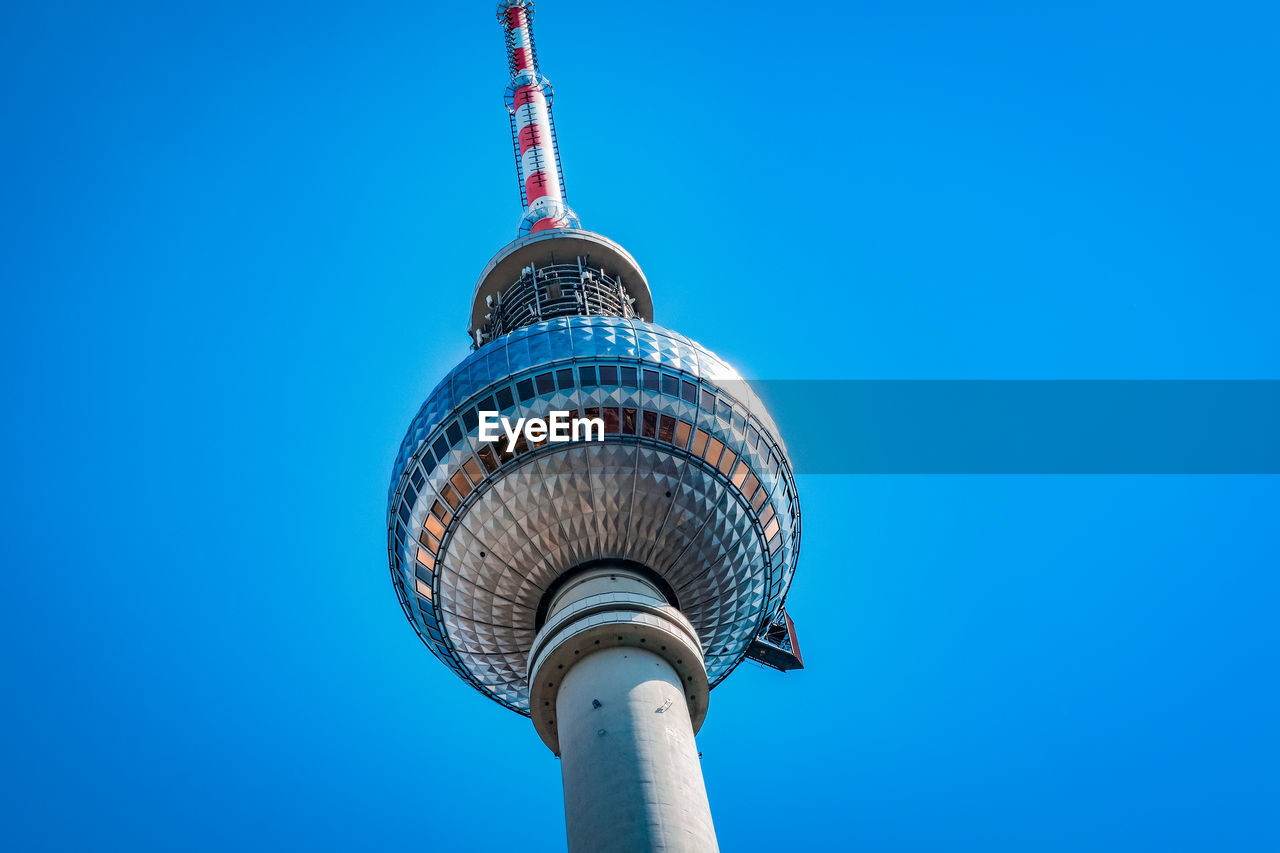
(666, 428)
(714, 446)
(682, 434)
(700, 439)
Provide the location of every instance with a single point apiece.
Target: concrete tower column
(618, 691)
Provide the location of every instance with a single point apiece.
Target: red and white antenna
(532, 130)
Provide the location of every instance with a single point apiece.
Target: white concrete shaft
(618, 691)
(632, 778)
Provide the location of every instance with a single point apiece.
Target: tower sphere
(691, 486)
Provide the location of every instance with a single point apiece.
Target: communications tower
(599, 587)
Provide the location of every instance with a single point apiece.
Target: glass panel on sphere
(460, 483)
(683, 430)
(713, 451)
(666, 428)
(759, 499)
(700, 439)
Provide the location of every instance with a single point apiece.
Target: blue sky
(239, 245)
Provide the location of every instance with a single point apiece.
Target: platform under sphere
(691, 482)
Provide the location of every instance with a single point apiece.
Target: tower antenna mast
(533, 131)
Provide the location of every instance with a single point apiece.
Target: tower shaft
(622, 672)
(632, 779)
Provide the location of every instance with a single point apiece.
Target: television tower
(599, 587)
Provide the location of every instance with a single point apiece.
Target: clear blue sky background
(238, 244)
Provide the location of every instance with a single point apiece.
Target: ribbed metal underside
(588, 502)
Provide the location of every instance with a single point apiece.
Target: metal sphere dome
(691, 482)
